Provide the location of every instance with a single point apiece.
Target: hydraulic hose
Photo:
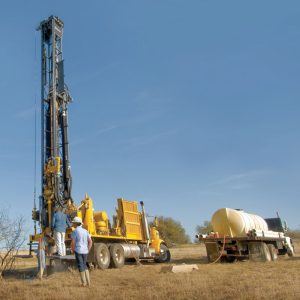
(222, 251)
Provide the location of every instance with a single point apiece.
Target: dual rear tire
(117, 256)
(273, 252)
(260, 251)
(102, 256)
(112, 256)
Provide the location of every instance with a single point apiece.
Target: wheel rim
(118, 255)
(103, 256)
(163, 254)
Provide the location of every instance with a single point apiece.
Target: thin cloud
(239, 181)
(9, 156)
(145, 140)
(93, 135)
(144, 118)
(25, 113)
(91, 76)
(147, 102)
(103, 130)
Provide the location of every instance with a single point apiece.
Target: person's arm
(90, 243)
(73, 242)
(46, 246)
(73, 245)
(53, 221)
(68, 222)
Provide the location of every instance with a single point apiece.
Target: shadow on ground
(25, 274)
(32, 272)
(199, 261)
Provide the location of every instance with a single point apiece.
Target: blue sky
(187, 105)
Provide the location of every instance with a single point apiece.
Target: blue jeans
(81, 260)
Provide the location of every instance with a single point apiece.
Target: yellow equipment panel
(131, 219)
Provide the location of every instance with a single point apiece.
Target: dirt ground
(241, 280)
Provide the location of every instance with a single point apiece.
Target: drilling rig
(56, 180)
(129, 236)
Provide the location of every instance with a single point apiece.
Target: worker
(81, 245)
(60, 222)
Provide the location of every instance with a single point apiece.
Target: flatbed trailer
(230, 249)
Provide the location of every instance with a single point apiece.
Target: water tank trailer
(240, 235)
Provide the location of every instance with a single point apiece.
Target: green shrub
(206, 227)
(172, 232)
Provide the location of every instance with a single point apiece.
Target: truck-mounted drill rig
(129, 236)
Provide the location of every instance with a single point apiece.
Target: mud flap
(212, 250)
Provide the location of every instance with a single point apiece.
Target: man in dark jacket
(60, 223)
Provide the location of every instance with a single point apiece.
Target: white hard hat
(77, 220)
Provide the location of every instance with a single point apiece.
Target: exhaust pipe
(145, 221)
(198, 236)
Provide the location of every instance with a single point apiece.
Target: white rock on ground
(179, 268)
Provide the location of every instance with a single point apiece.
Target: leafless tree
(11, 240)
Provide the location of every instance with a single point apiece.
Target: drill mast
(56, 180)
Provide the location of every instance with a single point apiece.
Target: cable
(35, 131)
(223, 248)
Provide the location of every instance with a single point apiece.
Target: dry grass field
(241, 280)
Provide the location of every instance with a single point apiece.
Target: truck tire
(102, 256)
(273, 252)
(291, 252)
(230, 259)
(282, 251)
(165, 255)
(259, 251)
(117, 256)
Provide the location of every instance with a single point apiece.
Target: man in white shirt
(81, 245)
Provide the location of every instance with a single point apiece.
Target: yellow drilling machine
(129, 236)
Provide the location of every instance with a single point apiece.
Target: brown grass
(242, 280)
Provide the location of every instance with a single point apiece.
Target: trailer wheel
(165, 255)
(282, 251)
(273, 252)
(291, 252)
(117, 256)
(230, 259)
(102, 256)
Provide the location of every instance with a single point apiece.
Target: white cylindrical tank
(235, 223)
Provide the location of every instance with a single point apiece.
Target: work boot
(83, 278)
(87, 277)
